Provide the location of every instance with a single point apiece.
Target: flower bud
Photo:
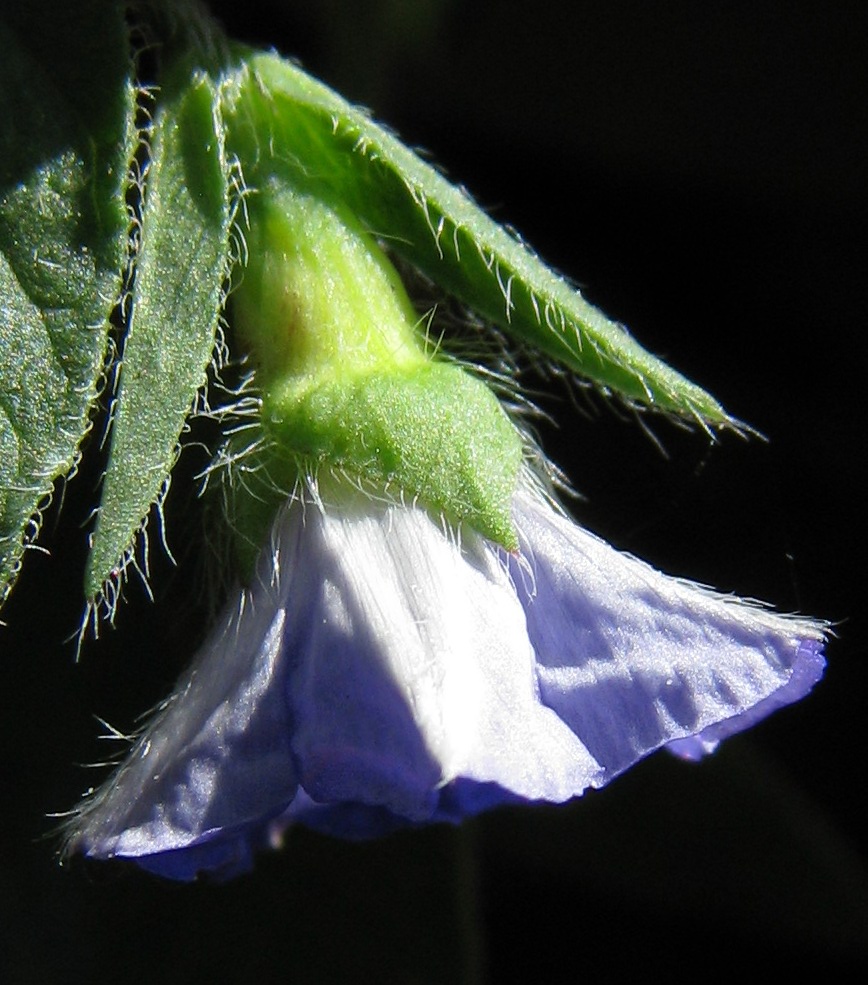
(347, 377)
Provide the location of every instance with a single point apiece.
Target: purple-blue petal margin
(807, 670)
(317, 705)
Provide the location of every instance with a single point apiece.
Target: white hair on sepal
(484, 351)
(234, 402)
(103, 607)
(461, 336)
(234, 406)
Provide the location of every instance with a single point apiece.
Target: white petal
(412, 667)
(216, 757)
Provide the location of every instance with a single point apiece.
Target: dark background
(700, 170)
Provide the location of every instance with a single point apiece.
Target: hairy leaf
(177, 298)
(66, 136)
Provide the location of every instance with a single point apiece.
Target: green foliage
(181, 270)
(283, 121)
(66, 112)
(227, 122)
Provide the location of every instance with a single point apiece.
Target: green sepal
(435, 433)
(178, 294)
(281, 121)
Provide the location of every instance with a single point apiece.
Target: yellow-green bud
(345, 377)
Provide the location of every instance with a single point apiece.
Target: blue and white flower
(385, 668)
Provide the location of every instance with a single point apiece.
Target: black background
(700, 170)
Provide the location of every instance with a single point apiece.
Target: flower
(385, 668)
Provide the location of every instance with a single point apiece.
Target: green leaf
(177, 298)
(66, 137)
(283, 121)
